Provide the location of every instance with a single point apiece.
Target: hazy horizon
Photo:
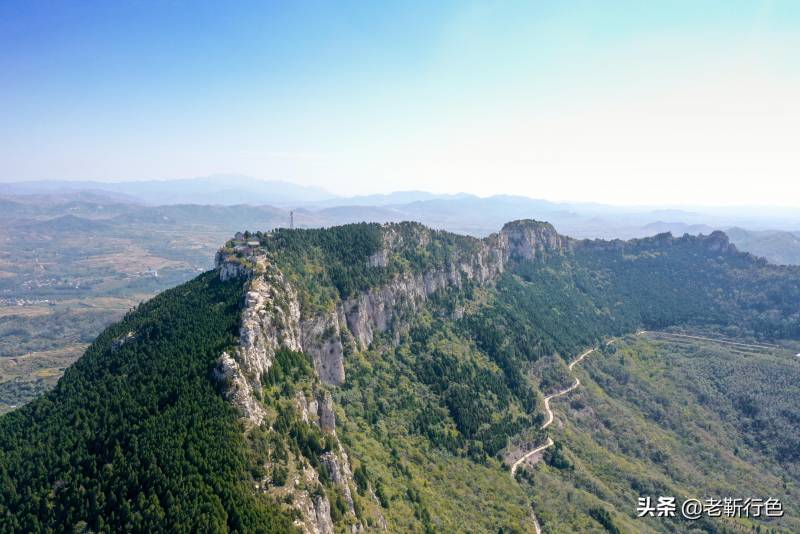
(334, 196)
(617, 103)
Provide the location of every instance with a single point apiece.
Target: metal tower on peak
(291, 220)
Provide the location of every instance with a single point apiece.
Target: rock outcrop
(719, 242)
(270, 321)
(529, 240)
(379, 309)
(318, 410)
(314, 508)
(321, 337)
(716, 243)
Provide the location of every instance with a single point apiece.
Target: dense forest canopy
(136, 437)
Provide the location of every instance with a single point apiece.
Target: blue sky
(626, 102)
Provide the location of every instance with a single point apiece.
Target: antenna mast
(291, 220)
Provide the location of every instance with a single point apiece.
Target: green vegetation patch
(667, 419)
(136, 437)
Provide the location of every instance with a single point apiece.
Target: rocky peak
(718, 241)
(528, 239)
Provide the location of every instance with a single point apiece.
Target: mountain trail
(549, 421)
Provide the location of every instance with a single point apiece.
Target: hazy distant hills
(225, 203)
(777, 246)
(216, 189)
(389, 199)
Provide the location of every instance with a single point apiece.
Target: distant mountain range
(232, 202)
(777, 246)
(221, 189)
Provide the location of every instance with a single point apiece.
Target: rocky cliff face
(271, 319)
(315, 509)
(321, 338)
(529, 240)
(271, 316)
(719, 242)
(381, 309)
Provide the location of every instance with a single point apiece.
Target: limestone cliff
(314, 508)
(272, 319)
(271, 316)
(379, 309)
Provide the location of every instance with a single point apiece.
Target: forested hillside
(136, 437)
(673, 417)
(385, 376)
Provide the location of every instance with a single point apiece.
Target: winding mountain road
(548, 443)
(580, 358)
(549, 411)
(548, 422)
(554, 395)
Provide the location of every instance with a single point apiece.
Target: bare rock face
(379, 259)
(327, 419)
(229, 269)
(322, 508)
(528, 240)
(318, 410)
(338, 470)
(314, 508)
(373, 311)
(718, 241)
(237, 389)
(381, 308)
(321, 340)
(270, 321)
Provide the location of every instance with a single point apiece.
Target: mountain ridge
(362, 370)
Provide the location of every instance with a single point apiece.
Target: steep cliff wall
(378, 309)
(411, 263)
(271, 316)
(271, 319)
